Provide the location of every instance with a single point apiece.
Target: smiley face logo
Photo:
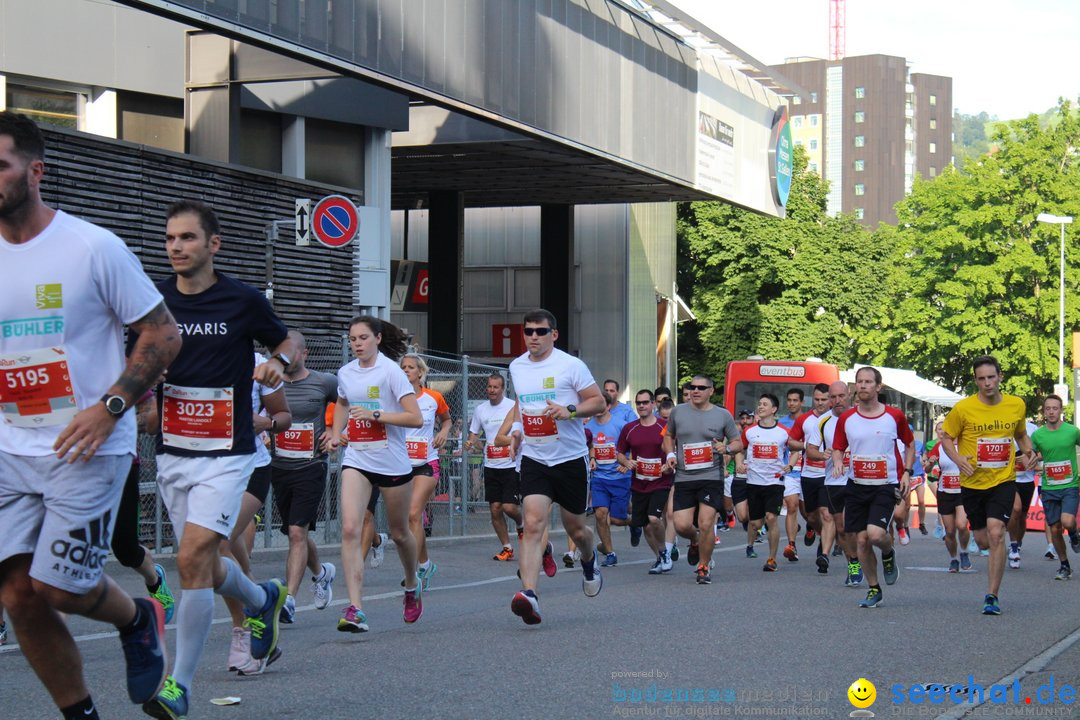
(862, 693)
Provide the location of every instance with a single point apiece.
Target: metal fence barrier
(458, 507)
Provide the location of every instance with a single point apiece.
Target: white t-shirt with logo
(420, 441)
(1023, 474)
(486, 421)
(373, 446)
(560, 378)
(65, 297)
(766, 454)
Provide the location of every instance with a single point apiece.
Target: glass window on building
(796, 100)
(797, 121)
(860, 116)
(860, 93)
(860, 189)
(933, 100)
(813, 144)
(933, 124)
(813, 97)
(813, 167)
(860, 165)
(814, 120)
(933, 148)
(860, 140)
(933, 172)
(798, 142)
(58, 108)
(859, 213)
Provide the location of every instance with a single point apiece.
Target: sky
(1006, 57)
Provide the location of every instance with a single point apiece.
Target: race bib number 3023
(35, 388)
(198, 419)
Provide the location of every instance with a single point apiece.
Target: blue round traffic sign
(334, 221)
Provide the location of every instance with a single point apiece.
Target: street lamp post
(1061, 220)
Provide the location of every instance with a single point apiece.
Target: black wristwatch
(115, 404)
(283, 359)
(572, 409)
(376, 414)
(909, 472)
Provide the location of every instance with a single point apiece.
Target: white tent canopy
(910, 384)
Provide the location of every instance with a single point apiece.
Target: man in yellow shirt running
(978, 437)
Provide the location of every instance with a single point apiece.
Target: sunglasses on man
(541, 331)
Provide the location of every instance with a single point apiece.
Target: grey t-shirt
(307, 402)
(694, 432)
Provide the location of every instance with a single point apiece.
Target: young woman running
(375, 405)
(423, 448)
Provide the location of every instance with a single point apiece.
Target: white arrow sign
(303, 221)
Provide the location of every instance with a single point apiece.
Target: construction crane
(837, 30)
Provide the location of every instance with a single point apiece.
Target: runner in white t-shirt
(812, 476)
(68, 289)
(423, 447)
(501, 486)
(879, 476)
(818, 444)
(555, 391)
(1025, 491)
(376, 404)
(950, 508)
(765, 460)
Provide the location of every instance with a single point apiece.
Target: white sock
(238, 585)
(194, 615)
(321, 575)
(425, 565)
(668, 546)
(507, 546)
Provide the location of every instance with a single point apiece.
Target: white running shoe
(379, 553)
(239, 648)
(322, 586)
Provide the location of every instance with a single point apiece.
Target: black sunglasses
(699, 387)
(541, 331)
(642, 402)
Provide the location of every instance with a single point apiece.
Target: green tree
(979, 274)
(785, 289)
(969, 137)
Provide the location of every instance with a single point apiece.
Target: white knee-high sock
(194, 615)
(238, 585)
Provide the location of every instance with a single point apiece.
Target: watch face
(115, 405)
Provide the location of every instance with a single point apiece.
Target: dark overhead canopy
(521, 172)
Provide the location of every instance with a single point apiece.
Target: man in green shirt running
(1056, 443)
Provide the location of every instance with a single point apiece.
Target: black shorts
(835, 498)
(378, 480)
(868, 505)
(644, 505)
(993, 503)
(501, 485)
(813, 493)
(738, 490)
(1025, 490)
(373, 500)
(692, 493)
(259, 483)
(297, 494)
(947, 503)
(566, 483)
(762, 499)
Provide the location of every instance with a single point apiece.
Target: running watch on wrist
(572, 409)
(283, 359)
(376, 414)
(115, 404)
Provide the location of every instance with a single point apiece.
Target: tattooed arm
(157, 345)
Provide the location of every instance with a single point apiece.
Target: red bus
(748, 379)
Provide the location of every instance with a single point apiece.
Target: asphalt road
(787, 643)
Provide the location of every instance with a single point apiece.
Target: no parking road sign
(335, 221)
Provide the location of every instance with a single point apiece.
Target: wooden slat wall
(126, 188)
